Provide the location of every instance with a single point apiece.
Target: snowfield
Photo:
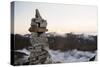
(67, 56)
(71, 56)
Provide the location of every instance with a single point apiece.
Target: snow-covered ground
(71, 56)
(67, 56)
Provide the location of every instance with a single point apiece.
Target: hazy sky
(60, 17)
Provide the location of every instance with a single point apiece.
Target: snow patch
(67, 56)
(71, 56)
(24, 51)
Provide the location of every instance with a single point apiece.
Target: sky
(61, 18)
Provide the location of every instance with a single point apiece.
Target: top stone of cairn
(38, 24)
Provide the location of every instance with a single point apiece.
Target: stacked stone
(39, 52)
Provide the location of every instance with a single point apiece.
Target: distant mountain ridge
(68, 41)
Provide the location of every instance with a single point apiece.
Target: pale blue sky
(60, 17)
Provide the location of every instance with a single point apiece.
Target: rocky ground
(59, 57)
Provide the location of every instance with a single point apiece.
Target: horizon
(77, 33)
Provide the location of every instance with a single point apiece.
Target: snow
(71, 56)
(24, 51)
(86, 37)
(67, 56)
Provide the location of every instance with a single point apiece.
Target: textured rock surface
(38, 24)
(39, 52)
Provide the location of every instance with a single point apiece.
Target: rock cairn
(39, 51)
